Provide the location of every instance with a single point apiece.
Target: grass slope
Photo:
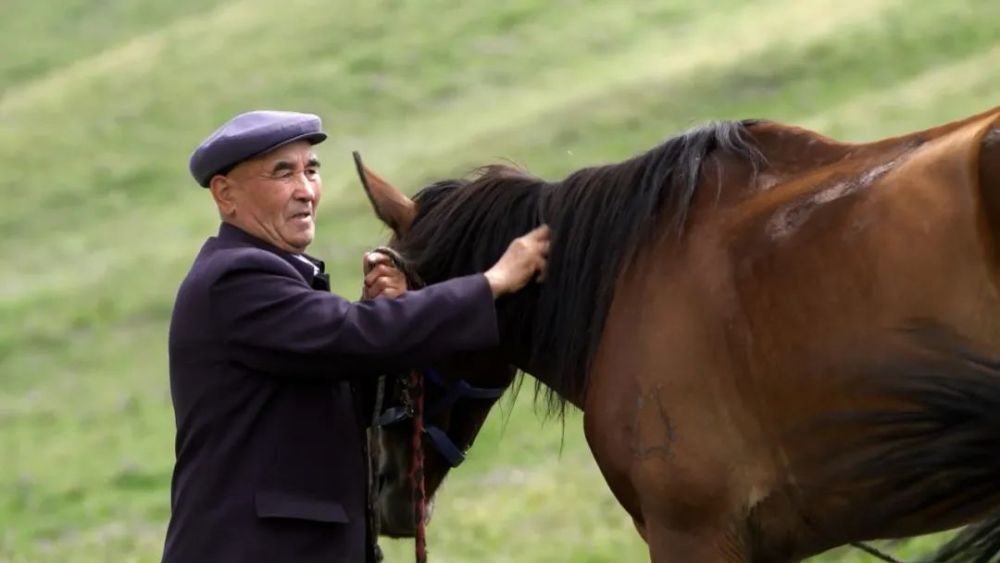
(101, 103)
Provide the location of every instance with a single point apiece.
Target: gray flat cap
(248, 135)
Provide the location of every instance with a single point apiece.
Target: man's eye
(312, 171)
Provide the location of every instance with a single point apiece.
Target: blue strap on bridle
(392, 415)
(458, 389)
(455, 390)
(445, 446)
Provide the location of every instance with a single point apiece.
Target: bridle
(413, 408)
(454, 391)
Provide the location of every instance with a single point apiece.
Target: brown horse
(780, 342)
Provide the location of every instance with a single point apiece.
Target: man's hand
(525, 257)
(382, 279)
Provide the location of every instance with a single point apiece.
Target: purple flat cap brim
(248, 135)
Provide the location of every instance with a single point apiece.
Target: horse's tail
(935, 453)
(978, 543)
(949, 449)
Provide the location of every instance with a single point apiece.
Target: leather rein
(413, 408)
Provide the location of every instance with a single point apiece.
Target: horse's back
(870, 236)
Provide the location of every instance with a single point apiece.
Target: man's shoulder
(248, 257)
(215, 261)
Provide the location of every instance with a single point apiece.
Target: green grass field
(101, 103)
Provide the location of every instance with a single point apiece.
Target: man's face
(274, 196)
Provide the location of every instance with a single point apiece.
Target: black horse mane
(600, 216)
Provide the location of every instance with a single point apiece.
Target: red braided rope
(417, 468)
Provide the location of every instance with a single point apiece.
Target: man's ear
(223, 193)
(391, 206)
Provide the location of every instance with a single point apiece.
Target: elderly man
(266, 364)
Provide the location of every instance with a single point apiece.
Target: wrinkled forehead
(300, 153)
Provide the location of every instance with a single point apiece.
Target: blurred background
(102, 101)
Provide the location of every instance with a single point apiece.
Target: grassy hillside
(101, 103)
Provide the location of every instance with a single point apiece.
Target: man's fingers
(541, 239)
(383, 282)
(379, 285)
(373, 259)
(540, 233)
(541, 230)
(381, 270)
(385, 287)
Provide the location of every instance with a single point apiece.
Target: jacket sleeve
(272, 321)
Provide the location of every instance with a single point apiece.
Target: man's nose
(304, 189)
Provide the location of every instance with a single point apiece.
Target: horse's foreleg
(641, 528)
(702, 545)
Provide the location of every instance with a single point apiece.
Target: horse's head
(457, 395)
(455, 411)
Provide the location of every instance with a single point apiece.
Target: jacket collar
(306, 265)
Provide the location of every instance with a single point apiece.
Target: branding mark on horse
(656, 439)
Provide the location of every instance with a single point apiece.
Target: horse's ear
(391, 205)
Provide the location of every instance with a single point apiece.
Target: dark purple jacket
(265, 365)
